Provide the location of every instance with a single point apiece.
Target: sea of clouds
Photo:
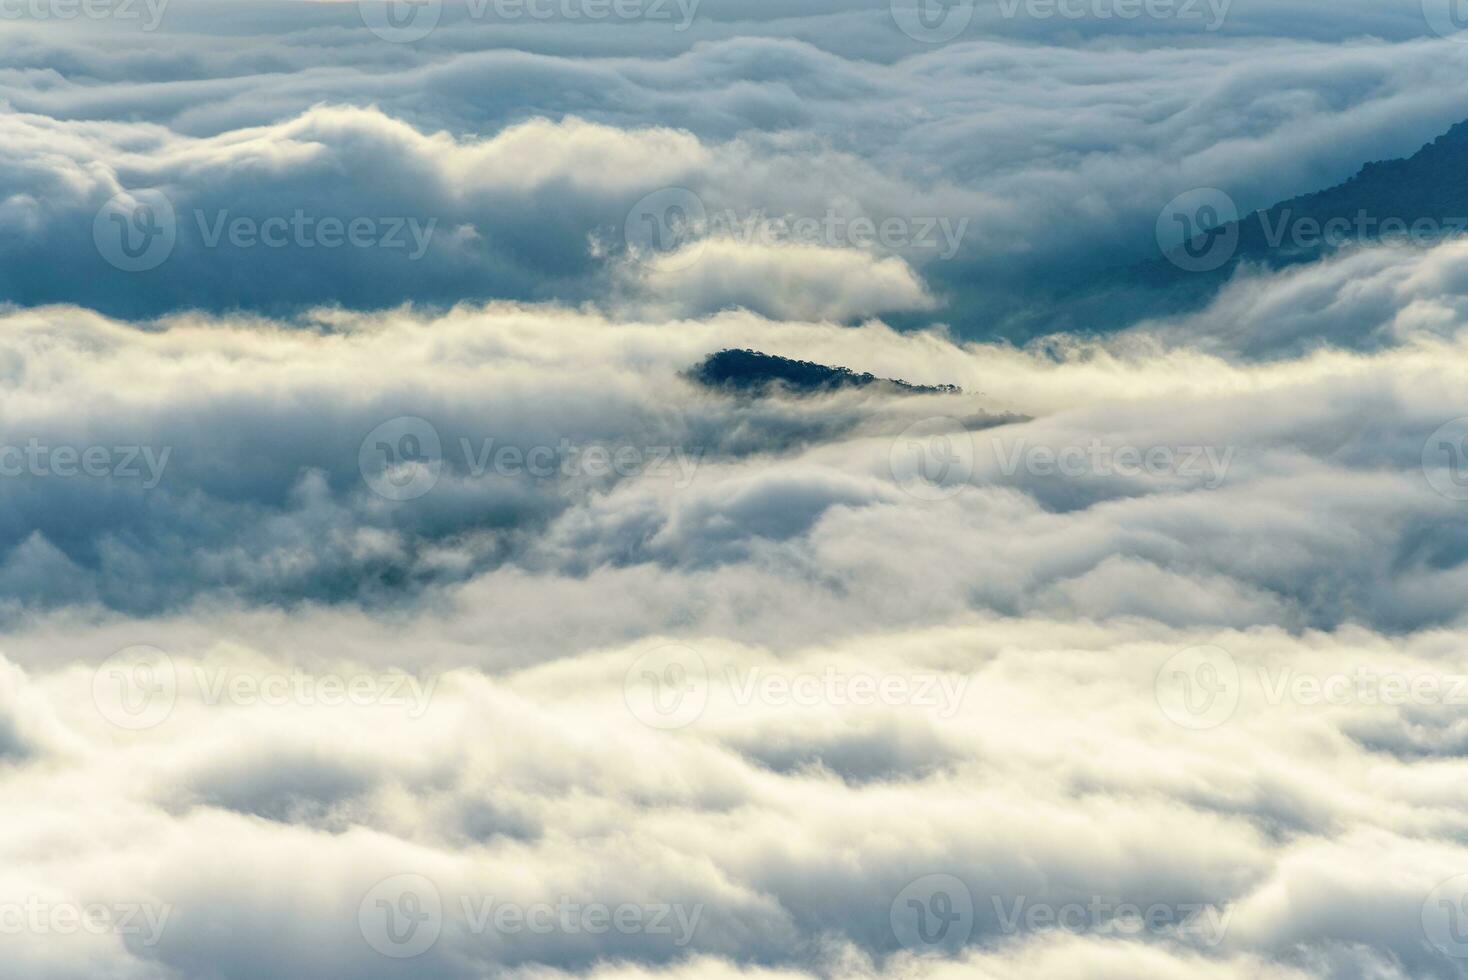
(387, 610)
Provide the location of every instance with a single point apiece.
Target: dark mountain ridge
(1413, 201)
(753, 372)
(1421, 199)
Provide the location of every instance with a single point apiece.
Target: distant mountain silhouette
(753, 372)
(1420, 199)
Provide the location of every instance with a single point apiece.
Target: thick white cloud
(790, 281)
(1040, 770)
(1021, 625)
(1208, 489)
